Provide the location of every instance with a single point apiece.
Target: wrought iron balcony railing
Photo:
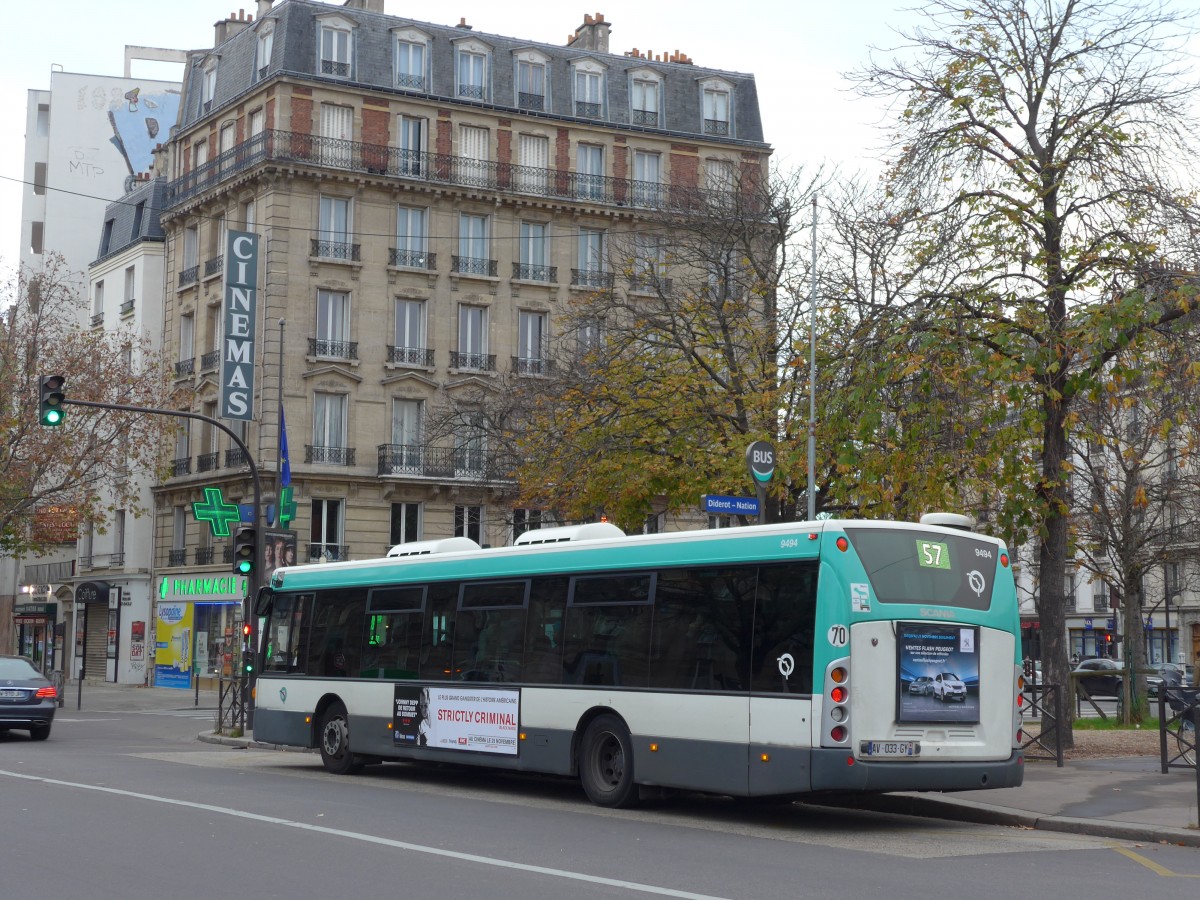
(473, 91)
(235, 458)
(97, 320)
(294, 148)
(333, 349)
(189, 276)
(341, 250)
(530, 272)
(645, 117)
(328, 552)
(476, 362)
(530, 365)
(185, 367)
(586, 110)
(410, 356)
(181, 466)
(334, 456)
(412, 259)
(716, 126)
(470, 265)
(208, 462)
(214, 266)
(177, 557)
(210, 360)
(127, 307)
(531, 101)
(592, 278)
(443, 463)
(412, 82)
(205, 556)
(649, 283)
(332, 67)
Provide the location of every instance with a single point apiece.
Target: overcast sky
(796, 49)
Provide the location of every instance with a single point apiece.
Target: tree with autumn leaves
(52, 479)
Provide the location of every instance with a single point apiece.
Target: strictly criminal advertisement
(482, 721)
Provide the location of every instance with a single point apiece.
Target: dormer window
(716, 102)
(411, 52)
(262, 53)
(335, 42)
(532, 83)
(472, 71)
(208, 86)
(644, 96)
(589, 89)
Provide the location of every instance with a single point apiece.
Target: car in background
(1173, 674)
(922, 685)
(27, 699)
(1100, 677)
(948, 686)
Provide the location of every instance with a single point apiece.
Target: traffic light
(50, 399)
(245, 545)
(247, 650)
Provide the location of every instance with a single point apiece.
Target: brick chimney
(227, 28)
(591, 35)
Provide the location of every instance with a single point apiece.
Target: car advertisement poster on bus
(938, 672)
(481, 721)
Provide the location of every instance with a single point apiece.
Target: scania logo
(283, 695)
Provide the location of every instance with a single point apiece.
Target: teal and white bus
(760, 661)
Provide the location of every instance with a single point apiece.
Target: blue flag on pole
(285, 465)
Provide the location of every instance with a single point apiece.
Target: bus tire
(606, 763)
(334, 739)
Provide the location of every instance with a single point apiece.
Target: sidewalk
(1125, 798)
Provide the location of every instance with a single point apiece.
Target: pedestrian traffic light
(50, 400)
(245, 546)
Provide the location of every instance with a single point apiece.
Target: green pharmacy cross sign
(287, 507)
(216, 512)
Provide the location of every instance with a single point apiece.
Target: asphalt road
(130, 804)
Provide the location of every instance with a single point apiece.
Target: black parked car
(27, 699)
(1101, 677)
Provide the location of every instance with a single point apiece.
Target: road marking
(1152, 865)
(373, 839)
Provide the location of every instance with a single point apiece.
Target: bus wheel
(335, 741)
(606, 763)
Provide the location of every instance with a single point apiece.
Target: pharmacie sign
(203, 589)
(240, 304)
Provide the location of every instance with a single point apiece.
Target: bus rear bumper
(832, 772)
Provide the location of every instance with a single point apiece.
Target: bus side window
(284, 633)
(702, 623)
(784, 618)
(436, 657)
(544, 631)
(608, 630)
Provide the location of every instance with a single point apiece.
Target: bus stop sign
(760, 458)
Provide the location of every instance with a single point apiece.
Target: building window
(36, 236)
(533, 169)
(468, 522)
(472, 75)
(589, 172)
(191, 246)
(645, 102)
(258, 122)
(410, 137)
(531, 85)
(533, 253)
(98, 299)
(39, 178)
(474, 251)
(262, 55)
(333, 325)
(410, 238)
(719, 180)
(337, 47)
(408, 435)
(716, 111)
(130, 288)
(329, 423)
(647, 179)
(178, 530)
(472, 337)
(187, 336)
(406, 523)
(208, 87)
(410, 65)
(589, 94)
(588, 336)
(410, 333)
(531, 343)
(525, 520)
(592, 269)
(43, 120)
(325, 531)
(139, 213)
(333, 240)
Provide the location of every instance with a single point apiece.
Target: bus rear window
(927, 567)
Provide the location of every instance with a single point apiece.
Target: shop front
(198, 626)
(35, 627)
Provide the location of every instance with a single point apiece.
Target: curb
(983, 814)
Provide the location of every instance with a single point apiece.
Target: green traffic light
(244, 566)
(52, 417)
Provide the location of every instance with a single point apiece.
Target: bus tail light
(835, 718)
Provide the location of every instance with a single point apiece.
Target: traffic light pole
(256, 571)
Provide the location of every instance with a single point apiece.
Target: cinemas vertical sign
(241, 316)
